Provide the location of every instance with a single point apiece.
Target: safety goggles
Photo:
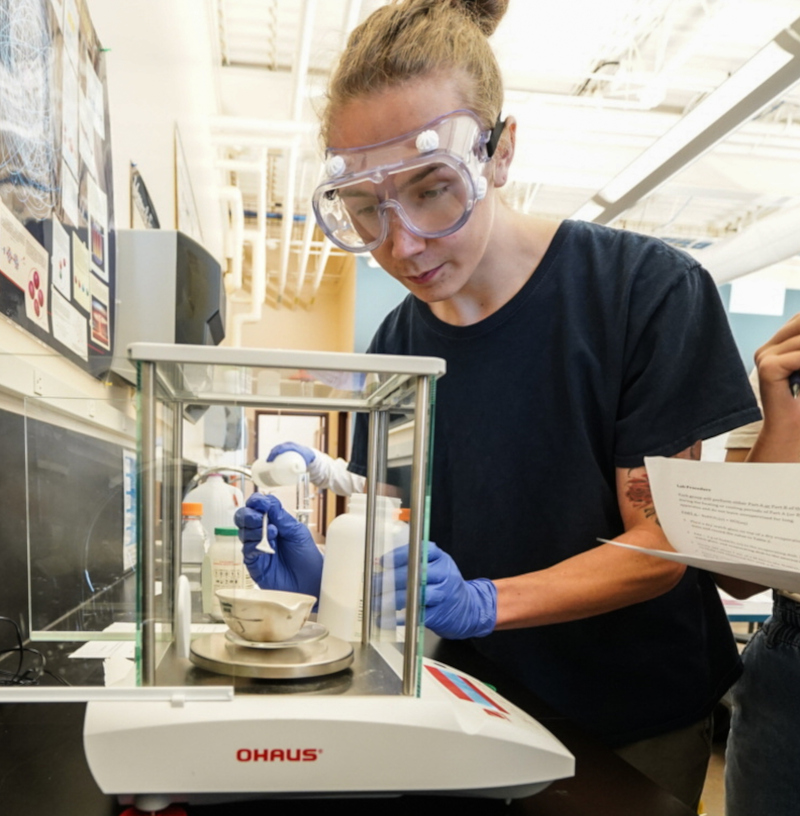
(430, 178)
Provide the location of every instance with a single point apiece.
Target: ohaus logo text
(278, 754)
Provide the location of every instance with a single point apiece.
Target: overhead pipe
(302, 60)
(305, 246)
(322, 262)
(287, 135)
(769, 241)
(258, 276)
(221, 43)
(305, 252)
(351, 19)
(239, 165)
(237, 141)
(287, 225)
(263, 127)
(352, 13)
(233, 195)
(234, 232)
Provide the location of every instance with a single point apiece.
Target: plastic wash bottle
(340, 602)
(220, 501)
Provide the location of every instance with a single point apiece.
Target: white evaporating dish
(263, 615)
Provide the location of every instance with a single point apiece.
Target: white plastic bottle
(220, 501)
(284, 469)
(340, 601)
(194, 542)
(223, 568)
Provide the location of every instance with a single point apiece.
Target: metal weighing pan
(217, 654)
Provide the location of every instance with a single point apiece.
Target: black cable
(31, 675)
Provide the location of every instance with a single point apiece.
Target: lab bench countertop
(43, 770)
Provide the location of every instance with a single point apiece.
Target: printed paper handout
(741, 520)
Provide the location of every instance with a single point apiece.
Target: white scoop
(285, 469)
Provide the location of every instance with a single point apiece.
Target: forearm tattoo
(637, 490)
(638, 493)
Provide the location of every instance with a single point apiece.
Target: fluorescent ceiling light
(588, 212)
(768, 75)
(715, 105)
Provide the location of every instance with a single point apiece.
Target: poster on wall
(57, 275)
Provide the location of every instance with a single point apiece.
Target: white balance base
(459, 737)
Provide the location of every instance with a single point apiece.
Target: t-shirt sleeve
(683, 377)
(746, 436)
(358, 455)
(358, 459)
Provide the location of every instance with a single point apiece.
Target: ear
(504, 153)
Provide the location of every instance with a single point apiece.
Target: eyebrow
(349, 192)
(426, 171)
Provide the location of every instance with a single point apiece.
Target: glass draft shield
(430, 178)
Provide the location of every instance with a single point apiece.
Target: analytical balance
(210, 719)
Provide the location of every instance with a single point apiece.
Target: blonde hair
(410, 39)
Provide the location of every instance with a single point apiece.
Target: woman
(572, 352)
(762, 769)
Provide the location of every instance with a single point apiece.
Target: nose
(402, 242)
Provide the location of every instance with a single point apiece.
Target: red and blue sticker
(464, 689)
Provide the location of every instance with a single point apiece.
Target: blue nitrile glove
(307, 453)
(296, 565)
(454, 608)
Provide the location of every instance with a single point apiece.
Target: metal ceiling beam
(779, 83)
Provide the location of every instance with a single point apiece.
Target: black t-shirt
(615, 349)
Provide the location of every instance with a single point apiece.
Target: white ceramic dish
(310, 633)
(264, 615)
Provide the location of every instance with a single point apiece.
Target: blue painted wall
(377, 293)
(751, 331)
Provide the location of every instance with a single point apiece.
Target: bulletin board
(57, 270)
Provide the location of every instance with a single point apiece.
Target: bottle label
(228, 574)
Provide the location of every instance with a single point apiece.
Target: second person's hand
(307, 453)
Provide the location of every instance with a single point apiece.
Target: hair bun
(485, 13)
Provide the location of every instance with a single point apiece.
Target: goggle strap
(494, 136)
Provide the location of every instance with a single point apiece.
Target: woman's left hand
(454, 608)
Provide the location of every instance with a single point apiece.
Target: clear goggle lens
(429, 180)
(431, 200)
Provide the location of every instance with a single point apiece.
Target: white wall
(328, 326)
(160, 71)
(35, 378)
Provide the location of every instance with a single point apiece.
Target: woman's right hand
(296, 565)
